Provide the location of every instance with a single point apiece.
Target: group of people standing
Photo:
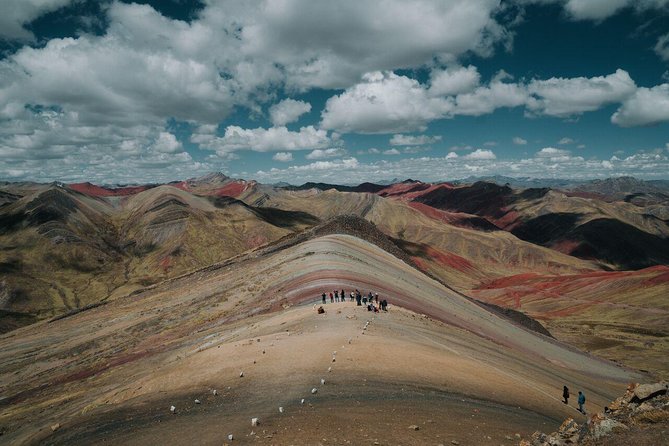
(371, 301)
(581, 398)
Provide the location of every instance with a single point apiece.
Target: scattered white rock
(197, 402)
(314, 390)
(413, 427)
(215, 392)
(333, 359)
(329, 369)
(173, 409)
(230, 437)
(322, 381)
(254, 422)
(280, 409)
(350, 340)
(55, 427)
(302, 401)
(241, 374)
(606, 426)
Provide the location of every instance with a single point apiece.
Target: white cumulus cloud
(480, 154)
(452, 81)
(647, 106)
(563, 97)
(332, 152)
(284, 157)
(287, 111)
(413, 140)
(383, 103)
(259, 139)
(517, 140)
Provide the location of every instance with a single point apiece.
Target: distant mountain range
(65, 246)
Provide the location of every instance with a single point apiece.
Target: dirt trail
(111, 373)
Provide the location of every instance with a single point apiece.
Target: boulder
(413, 427)
(603, 428)
(645, 391)
(254, 422)
(55, 427)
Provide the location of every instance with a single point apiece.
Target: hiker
(364, 300)
(323, 297)
(565, 394)
(384, 305)
(343, 295)
(358, 299)
(336, 295)
(376, 298)
(331, 298)
(370, 297)
(581, 401)
(352, 296)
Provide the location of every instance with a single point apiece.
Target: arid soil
(436, 360)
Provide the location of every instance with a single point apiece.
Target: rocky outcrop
(642, 406)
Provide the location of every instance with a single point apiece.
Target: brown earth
(111, 373)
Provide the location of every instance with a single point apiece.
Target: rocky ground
(436, 368)
(640, 417)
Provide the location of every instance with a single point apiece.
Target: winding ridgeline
(178, 313)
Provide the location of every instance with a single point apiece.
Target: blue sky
(343, 92)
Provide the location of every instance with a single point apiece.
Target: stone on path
(173, 409)
(254, 422)
(55, 427)
(197, 402)
(241, 374)
(314, 390)
(413, 427)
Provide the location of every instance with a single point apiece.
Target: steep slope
(461, 257)
(63, 250)
(476, 373)
(580, 226)
(617, 315)
(57, 253)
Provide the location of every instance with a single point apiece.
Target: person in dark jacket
(323, 297)
(565, 394)
(581, 401)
